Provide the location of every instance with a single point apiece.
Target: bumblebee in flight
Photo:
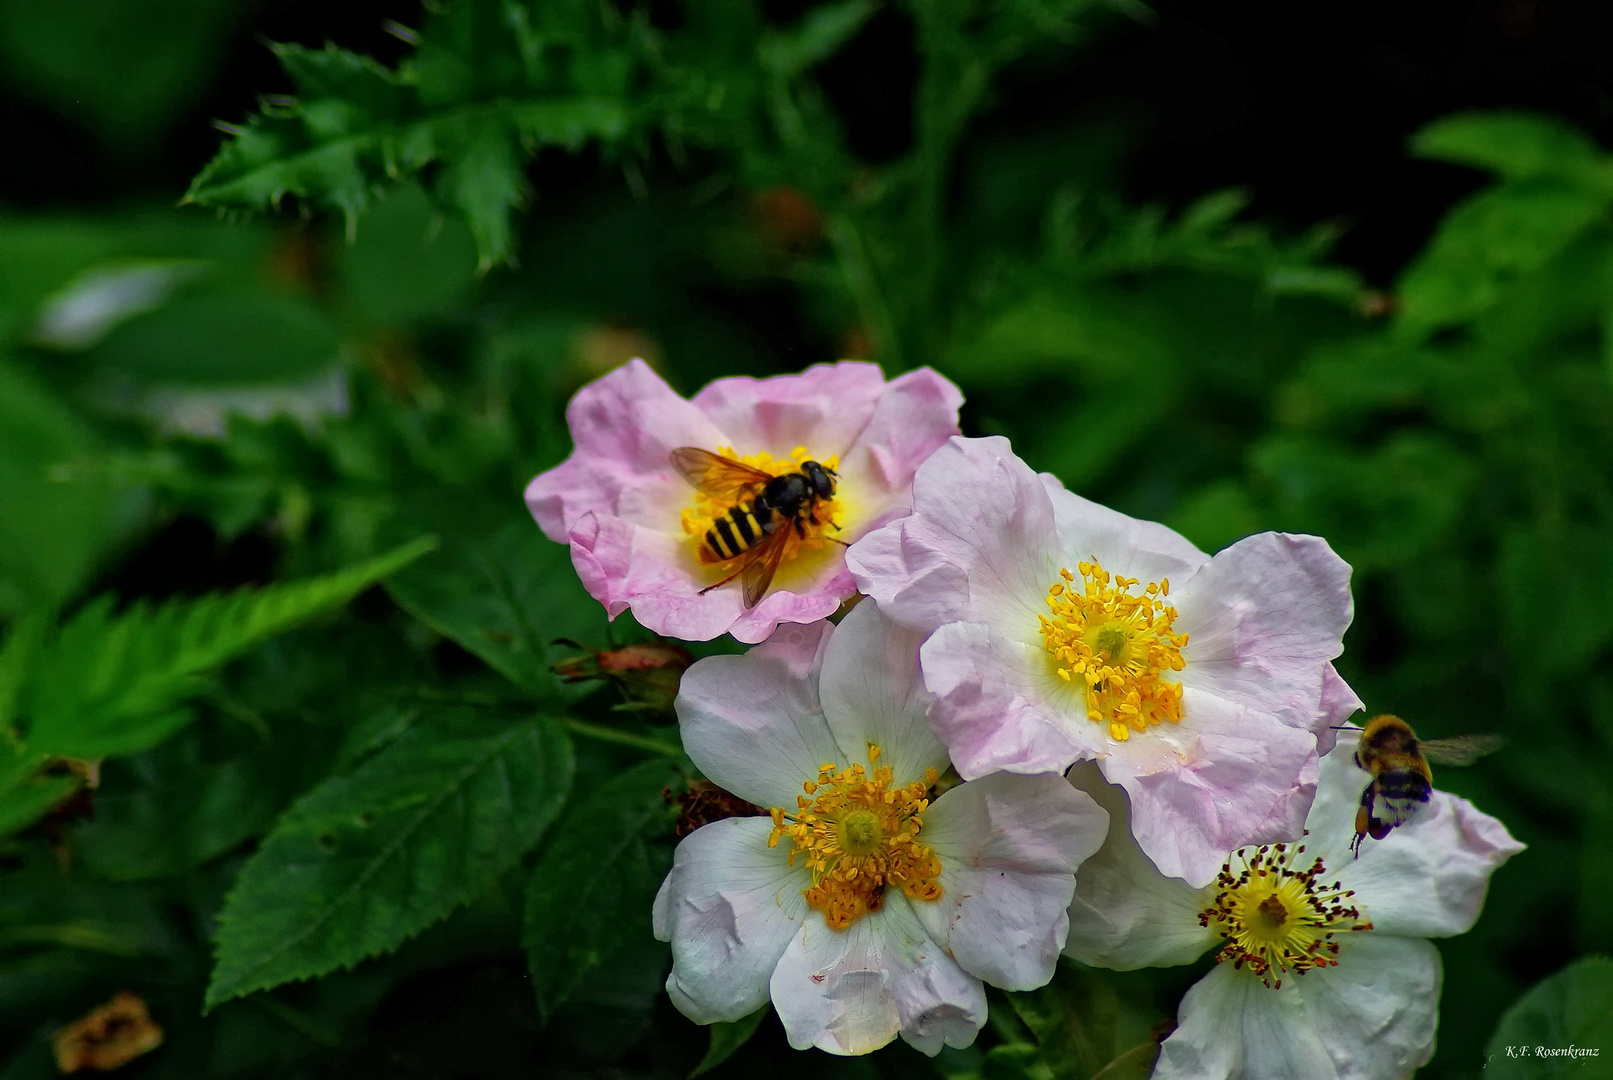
(754, 532)
(1401, 779)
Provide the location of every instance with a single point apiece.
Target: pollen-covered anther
(1276, 918)
(1116, 638)
(857, 831)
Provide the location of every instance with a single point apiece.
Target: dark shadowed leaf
(366, 861)
(593, 887)
(1573, 1008)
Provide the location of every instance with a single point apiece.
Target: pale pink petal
(992, 707)
(823, 408)
(979, 546)
(1125, 913)
(818, 584)
(1339, 703)
(625, 425)
(1188, 818)
(1373, 1016)
(753, 723)
(851, 991)
(913, 419)
(1262, 619)
(1287, 818)
(1428, 877)
(730, 907)
(872, 694)
(1008, 847)
(618, 501)
(1125, 546)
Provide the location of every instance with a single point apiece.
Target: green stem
(623, 738)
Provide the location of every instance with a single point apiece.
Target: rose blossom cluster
(1047, 728)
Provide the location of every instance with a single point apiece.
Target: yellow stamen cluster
(1118, 640)
(700, 517)
(1278, 919)
(857, 832)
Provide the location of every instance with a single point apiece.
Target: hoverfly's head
(821, 479)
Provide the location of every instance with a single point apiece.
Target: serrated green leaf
(727, 1038)
(356, 127)
(594, 885)
(1573, 1008)
(365, 861)
(114, 684)
(499, 588)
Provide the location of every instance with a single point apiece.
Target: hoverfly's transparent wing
(1461, 749)
(723, 479)
(761, 562)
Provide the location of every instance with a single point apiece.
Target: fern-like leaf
(489, 86)
(118, 683)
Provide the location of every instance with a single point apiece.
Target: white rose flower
(1324, 972)
(861, 908)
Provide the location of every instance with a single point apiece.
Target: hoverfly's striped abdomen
(737, 531)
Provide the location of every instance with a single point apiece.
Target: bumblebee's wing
(762, 561)
(1460, 750)
(724, 479)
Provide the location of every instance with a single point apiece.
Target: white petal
(850, 991)
(753, 723)
(1125, 913)
(1233, 1027)
(981, 544)
(1008, 847)
(1263, 618)
(1371, 1017)
(731, 906)
(1377, 1012)
(872, 693)
(1125, 546)
(1428, 877)
(997, 706)
(1243, 767)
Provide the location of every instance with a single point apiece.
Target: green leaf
(1511, 144)
(126, 71)
(365, 861)
(592, 889)
(1488, 242)
(727, 1038)
(31, 800)
(1073, 1018)
(1573, 1008)
(498, 587)
(223, 340)
(115, 684)
(478, 101)
(53, 526)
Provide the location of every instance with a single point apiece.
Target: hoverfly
(1401, 779)
(762, 510)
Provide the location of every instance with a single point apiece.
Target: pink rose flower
(634, 523)
(1059, 631)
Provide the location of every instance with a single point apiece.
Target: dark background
(1306, 106)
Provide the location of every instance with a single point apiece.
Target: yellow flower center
(699, 518)
(857, 832)
(1117, 639)
(1278, 919)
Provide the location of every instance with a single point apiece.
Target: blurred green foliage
(298, 852)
